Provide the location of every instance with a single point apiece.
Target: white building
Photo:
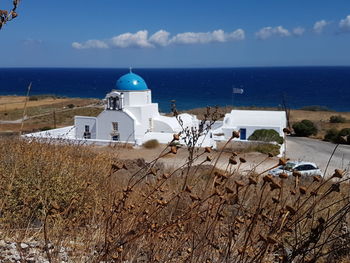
(248, 121)
(129, 116)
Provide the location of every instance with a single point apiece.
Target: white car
(305, 168)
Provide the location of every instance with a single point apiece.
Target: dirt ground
(43, 113)
(298, 149)
(321, 120)
(8, 103)
(254, 161)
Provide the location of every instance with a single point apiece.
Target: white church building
(130, 116)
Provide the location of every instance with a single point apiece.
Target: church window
(115, 126)
(115, 137)
(87, 133)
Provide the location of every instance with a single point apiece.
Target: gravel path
(13, 122)
(319, 152)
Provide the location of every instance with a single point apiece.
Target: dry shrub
(105, 210)
(151, 144)
(265, 148)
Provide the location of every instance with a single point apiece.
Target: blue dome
(131, 81)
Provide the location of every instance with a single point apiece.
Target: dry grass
(151, 144)
(9, 103)
(41, 112)
(107, 210)
(11, 107)
(132, 211)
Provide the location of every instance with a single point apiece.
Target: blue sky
(181, 33)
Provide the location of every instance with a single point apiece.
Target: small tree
(305, 128)
(337, 119)
(266, 135)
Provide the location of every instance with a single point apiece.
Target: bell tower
(114, 100)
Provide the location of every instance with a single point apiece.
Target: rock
(34, 244)
(15, 256)
(2, 243)
(24, 245)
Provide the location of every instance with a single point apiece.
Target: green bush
(265, 148)
(268, 148)
(337, 119)
(151, 144)
(331, 135)
(266, 135)
(305, 128)
(344, 136)
(335, 136)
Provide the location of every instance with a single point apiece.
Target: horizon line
(178, 67)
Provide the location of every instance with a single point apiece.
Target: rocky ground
(30, 252)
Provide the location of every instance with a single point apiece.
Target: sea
(190, 88)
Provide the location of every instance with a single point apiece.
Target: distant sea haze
(195, 87)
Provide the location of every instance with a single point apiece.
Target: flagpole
(236, 90)
(232, 96)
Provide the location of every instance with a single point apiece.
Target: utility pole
(54, 119)
(25, 108)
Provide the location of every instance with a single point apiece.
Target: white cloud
(90, 44)
(268, 32)
(298, 31)
(319, 26)
(139, 39)
(208, 37)
(191, 38)
(237, 35)
(162, 38)
(344, 24)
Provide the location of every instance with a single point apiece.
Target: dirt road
(319, 152)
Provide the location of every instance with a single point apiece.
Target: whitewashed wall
(136, 98)
(161, 126)
(249, 130)
(80, 122)
(125, 125)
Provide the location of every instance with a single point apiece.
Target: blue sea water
(196, 87)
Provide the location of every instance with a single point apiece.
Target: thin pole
(25, 108)
(233, 94)
(54, 119)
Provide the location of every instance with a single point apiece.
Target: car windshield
(289, 166)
